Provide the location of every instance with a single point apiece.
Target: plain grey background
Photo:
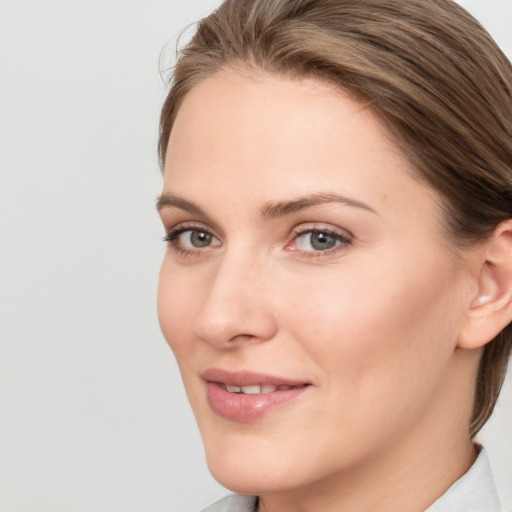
(93, 416)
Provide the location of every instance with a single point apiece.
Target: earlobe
(491, 308)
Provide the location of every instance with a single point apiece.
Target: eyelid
(191, 224)
(172, 216)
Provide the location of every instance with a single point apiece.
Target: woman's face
(308, 291)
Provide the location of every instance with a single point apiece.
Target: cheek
(378, 329)
(175, 311)
(380, 350)
(177, 298)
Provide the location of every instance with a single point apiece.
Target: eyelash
(172, 236)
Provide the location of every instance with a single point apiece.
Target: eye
(185, 238)
(317, 240)
(194, 238)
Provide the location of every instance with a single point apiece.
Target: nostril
(243, 337)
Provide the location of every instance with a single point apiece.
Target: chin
(251, 471)
(248, 480)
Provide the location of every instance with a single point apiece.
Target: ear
(491, 308)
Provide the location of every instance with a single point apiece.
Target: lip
(248, 407)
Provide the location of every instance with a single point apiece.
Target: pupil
(199, 238)
(322, 241)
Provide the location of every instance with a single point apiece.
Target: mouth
(246, 396)
(256, 389)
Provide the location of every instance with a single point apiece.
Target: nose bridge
(236, 306)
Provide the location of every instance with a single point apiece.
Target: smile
(256, 389)
(245, 396)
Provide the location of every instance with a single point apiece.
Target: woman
(337, 288)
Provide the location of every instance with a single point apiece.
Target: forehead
(252, 103)
(236, 114)
(270, 138)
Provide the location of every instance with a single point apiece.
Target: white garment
(473, 492)
(234, 503)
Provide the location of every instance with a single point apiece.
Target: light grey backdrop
(93, 417)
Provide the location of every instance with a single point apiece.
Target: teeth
(251, 390)
(256, 389)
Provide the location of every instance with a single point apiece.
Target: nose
(237, 305)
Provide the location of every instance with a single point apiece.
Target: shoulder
(234, 503)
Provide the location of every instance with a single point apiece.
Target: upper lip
(247, 378)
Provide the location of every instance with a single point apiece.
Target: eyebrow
(272, 209)
(277, 209)
(172, 201)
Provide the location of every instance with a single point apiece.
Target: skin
(373, 323)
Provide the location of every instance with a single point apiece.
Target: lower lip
(245, 408)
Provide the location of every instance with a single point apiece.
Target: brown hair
(427, 67)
